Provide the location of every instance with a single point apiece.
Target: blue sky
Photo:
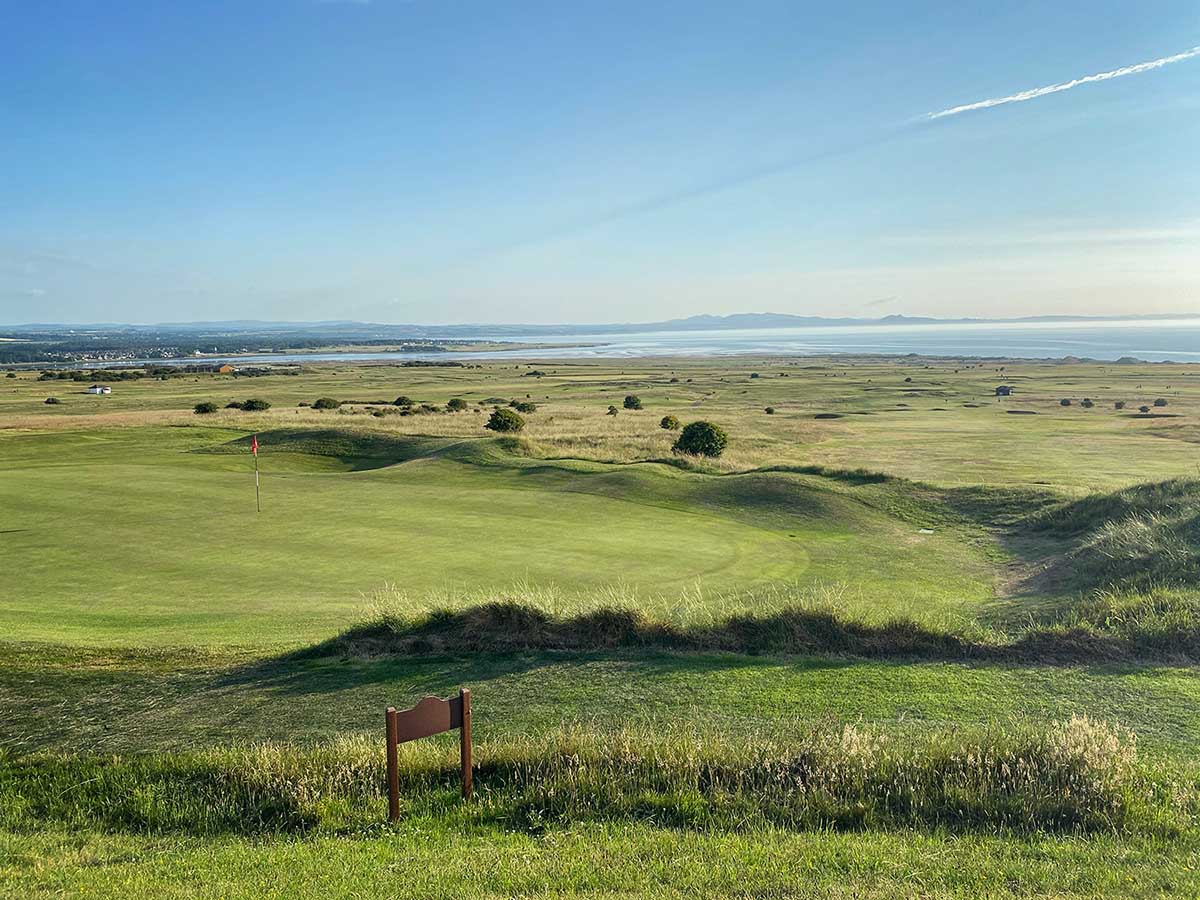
(497, 161)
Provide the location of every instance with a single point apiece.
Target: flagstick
(257, 492)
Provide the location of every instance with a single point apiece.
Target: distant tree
(52, 401)
(1143, 409)
(612, 411)
(633, 401)
(1120, 404)
(770, 410)
(204, 408)
(701, 439)
(402, 401)
(669, 423)
(456, 404)
(254, 404)
(505, 420)
(326, 403)
(1161, 401)
(1064, 402)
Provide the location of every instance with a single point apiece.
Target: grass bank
(1075, 776)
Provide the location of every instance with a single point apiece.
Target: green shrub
(770, 410)
(633, 401)
(1064, 402)
(669, 423)
(504, 420)
(612, 411)
(234, 404)
(701, 439)
(1143, 409)
(52, 401)
(1161, 401)
(326, 403)
(1120, 404)
(204, 408)
(1086, 403)
(254, 404)
(402, 401)
(524, 406)
(456, 404)
(11, 375)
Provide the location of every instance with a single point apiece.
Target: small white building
(99, 389)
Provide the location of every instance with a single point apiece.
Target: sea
(1152, 340)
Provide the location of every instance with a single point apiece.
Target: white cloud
(1034, 93)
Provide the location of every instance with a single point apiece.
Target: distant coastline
(737, 321)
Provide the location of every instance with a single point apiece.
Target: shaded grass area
(119, 702)
(1075, 776)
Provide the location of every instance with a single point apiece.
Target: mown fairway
(147, 610)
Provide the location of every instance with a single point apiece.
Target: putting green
(141, 536)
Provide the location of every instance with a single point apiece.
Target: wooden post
(393, 765)
(464, 742)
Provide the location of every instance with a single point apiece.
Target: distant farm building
(99, 389)
(1004, 391)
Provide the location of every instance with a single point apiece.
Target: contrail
(1034, 93)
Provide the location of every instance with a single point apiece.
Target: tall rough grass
(1078, 775)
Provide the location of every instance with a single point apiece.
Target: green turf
(149, 535)
(145, 606)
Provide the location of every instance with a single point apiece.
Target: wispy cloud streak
(1034, 93)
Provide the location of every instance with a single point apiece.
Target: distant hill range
(348, 330)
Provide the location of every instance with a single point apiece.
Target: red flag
(254, 445)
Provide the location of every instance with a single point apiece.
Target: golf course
(925, 627)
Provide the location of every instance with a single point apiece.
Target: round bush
(701, 439)
(203, 409)
(524, 406)
(52, 401)
(1120, 404)
(254, 404)
(1161, 401)
(505, 420)
(402, 401)
(234, 404)
(770, 410)
(456, 404)
(1143, 409)
(1064, 402)
(326, 403)
(633, 401)
(669, 423)
(612, 411)
(1086, 403)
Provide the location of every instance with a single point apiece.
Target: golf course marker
(430, 716)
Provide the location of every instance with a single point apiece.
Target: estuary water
(1154, 340)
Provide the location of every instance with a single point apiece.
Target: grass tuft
(1080, 775)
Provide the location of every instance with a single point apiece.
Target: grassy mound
(1106, 626)
(1076, 776)
(1135, 539)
